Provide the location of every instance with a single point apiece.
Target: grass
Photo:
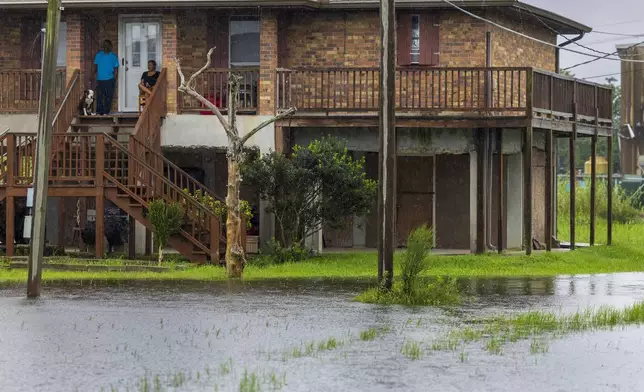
(412, 350)
(439, 293)
(497, 331)
(624, 256)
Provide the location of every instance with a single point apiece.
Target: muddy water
(205, 337)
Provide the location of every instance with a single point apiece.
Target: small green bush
(411, 289)
(625, 209)
(166, 220)
(219, 208)
(274, 253)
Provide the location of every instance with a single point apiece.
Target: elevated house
(478, 108)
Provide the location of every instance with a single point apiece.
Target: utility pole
(43, 142)
(387, 140)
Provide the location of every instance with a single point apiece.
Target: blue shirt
(106, 63)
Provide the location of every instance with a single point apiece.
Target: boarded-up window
(418, 38)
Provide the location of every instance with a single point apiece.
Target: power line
(536, 39)
(613, 74)
(606, 57)
(617, 34)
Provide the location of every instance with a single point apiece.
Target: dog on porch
(86, 104)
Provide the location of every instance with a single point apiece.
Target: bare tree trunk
(160, 255)
(235, 256)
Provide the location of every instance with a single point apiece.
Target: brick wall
(10, 50)
(336, 39)
(192, 45)
(268, 62)
(75, 47)
(169, 52)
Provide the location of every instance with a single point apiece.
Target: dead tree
(235, 254)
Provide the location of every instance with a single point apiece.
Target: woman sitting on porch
(149, 78)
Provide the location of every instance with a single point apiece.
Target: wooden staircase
(118, 158)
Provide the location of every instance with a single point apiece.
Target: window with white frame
(244, 42)
(61, 58)
(415, 39)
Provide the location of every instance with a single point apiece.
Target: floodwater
(233, 337)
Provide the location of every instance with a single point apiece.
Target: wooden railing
(562, 95)
(148, 127)
(417, 89)
(213, 85)
(68, 108)
(20, 89)
(201, 226)
(488, 91)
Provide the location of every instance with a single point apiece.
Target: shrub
(274, 253)
(412, 289)
(219, 208)
(624, 209)
(414, 260)
(166, 221)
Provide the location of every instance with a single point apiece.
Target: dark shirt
(149, 81)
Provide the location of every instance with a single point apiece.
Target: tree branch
(267, 123)
(188, 88)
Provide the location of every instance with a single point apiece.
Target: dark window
(244, 42)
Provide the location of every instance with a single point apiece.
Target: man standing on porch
(106, 65)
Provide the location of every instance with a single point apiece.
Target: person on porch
(106, 65)
(149, 78)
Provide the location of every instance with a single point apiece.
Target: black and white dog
(86, 104)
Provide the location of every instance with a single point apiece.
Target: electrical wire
(538, 40)
(606, 57)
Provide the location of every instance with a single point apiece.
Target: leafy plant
(317, 185)
(166, 221)
(274, 253)
(414, 260)
(219, 208)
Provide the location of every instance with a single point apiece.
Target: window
(61, 59)
(415, 39)
(244, 42)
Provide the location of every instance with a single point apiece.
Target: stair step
(135, 205)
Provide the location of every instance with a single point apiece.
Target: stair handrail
(155, 108)
(177, 169)
(156, 173)
(67, 109)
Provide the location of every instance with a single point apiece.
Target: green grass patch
(438, 293)
(497, 331)
(625, 255)
(412, 350)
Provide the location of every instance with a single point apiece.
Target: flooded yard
(305, 336)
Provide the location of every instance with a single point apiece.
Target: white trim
(122, 20)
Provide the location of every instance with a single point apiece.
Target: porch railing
(20, 89)
(560, 94)
(213, 85)
(489, 91)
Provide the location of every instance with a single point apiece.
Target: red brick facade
(290, 39)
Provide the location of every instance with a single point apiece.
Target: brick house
(462, 85)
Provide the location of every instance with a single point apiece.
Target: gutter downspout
(563, 44)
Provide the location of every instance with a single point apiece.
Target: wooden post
(131, 242)
(549, 185)
(527, 190)
(45, 119)
(573, 188)
(609, 187)
(61, 222)
(573, 175)
(480, 191)
(148, 242)
(593, 187)
(500, 190)
(214, 240)
(100, 196)
(387, 141)
(10, 212)
(527, 167)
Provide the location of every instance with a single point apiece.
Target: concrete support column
(267, 62)
(514, 197)
(169, 42)
(473, 199)
(266, 224)
(75, 48)
(359, 222)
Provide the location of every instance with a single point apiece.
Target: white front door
(139, 42)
